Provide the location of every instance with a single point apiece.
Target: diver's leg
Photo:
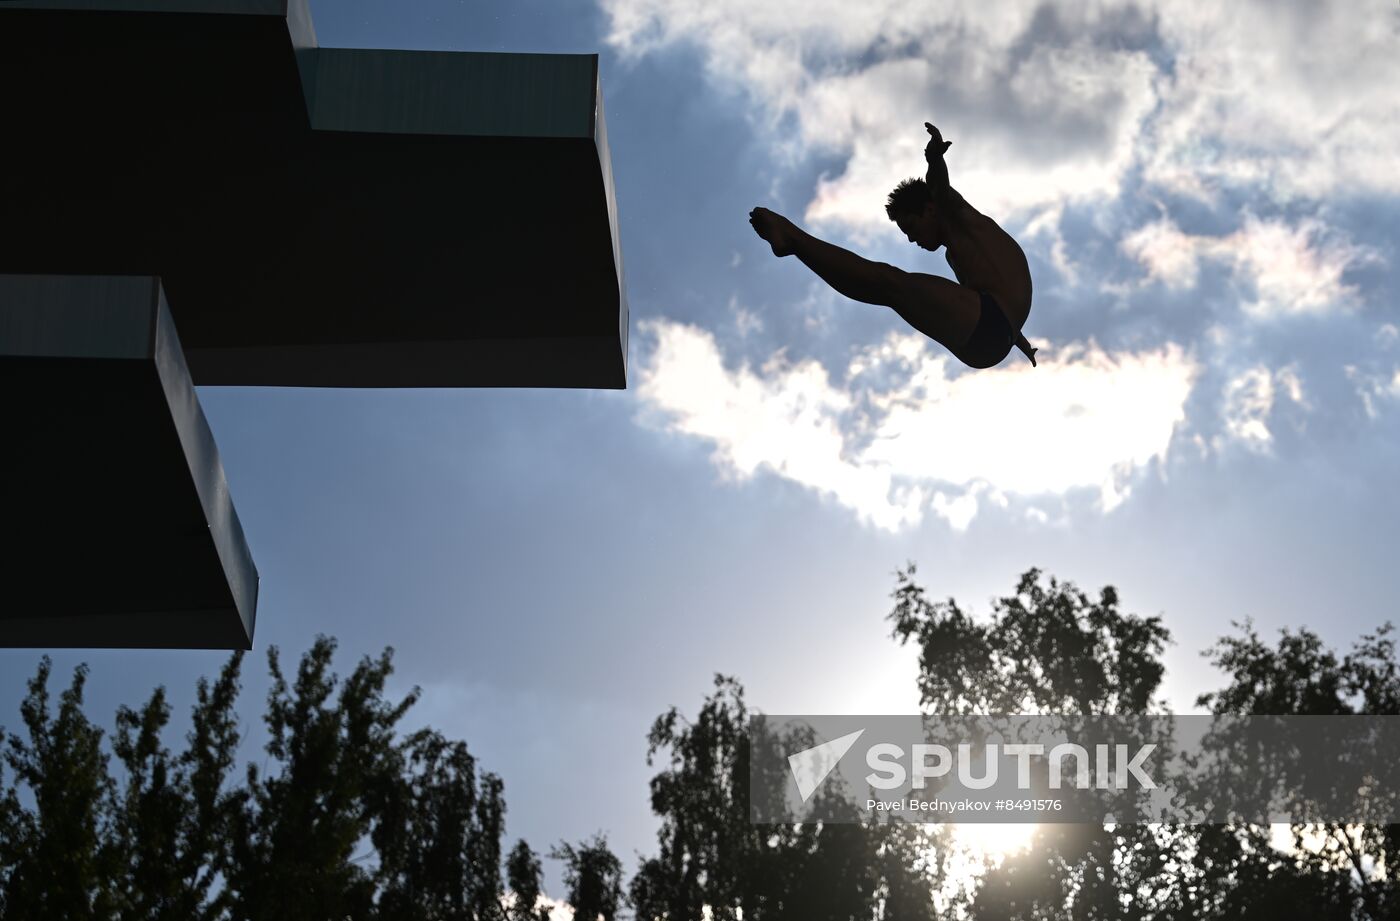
(854, 276)
(1024, 345)
(937, 307)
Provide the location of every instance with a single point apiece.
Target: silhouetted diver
(979, 316)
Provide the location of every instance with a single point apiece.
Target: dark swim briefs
(992, 339)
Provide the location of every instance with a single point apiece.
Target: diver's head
(912, 207)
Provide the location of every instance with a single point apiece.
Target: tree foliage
(347, 819)
(524, 878)
(62, 855)
(1050, 648)
(1047, 648)
(714, 856)
(593, 876)
(350, 817)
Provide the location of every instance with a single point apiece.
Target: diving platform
(289, 216)
(118, 529)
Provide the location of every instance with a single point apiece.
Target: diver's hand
(936, 145)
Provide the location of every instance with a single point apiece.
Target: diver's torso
(987, 258)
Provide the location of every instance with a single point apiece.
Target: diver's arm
(937, 178)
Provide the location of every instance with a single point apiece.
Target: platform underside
(305, 206)
(118, 528)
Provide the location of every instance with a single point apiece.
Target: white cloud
(746, 322)
(1294, 97)
(1293, 269)
(1170, 256)
(1050, 103)
(559, 910)
(1249, 401)
(1059, 114)
(862, 78)
(1249, 398)
(900, 435)
(1046, 225)
(1292, 385)
(1374, 388)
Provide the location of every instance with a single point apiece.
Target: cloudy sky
(1207, 196)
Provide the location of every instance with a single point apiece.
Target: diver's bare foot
(774, 228)
(1024, 345)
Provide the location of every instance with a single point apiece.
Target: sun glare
(993, 841)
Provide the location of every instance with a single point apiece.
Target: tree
(728, 845)
(169, 822)
(1331, 870)
(484, 851)
(711, 854)
(60, 858)
(908, 869)
(593, 875)
(9, 838)
(1046, 649)
(1050, 648)
(439, 845)
(206, 765)
(296, 830)
(151, 816)
(350, 820)
(524, 877)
